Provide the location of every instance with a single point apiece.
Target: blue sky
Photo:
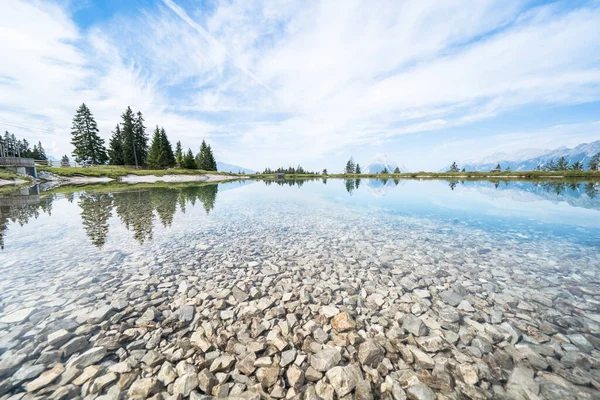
(292, 82)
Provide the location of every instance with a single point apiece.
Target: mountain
(379, 163)
(530, 159)
(224, 167)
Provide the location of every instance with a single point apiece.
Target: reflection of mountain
(381, 187)
(576, 194)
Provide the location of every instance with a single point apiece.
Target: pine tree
(154, 154)
(551, 166)
(577, 166)
(594, 164)
(168, 158)
(65, 159)
(385, 171)
(179, 155)
(454, 167)
(130, 156)
(41, 153)
(188, 160)
(357, 170)
(115, 147)
(498, 167)
(324, 171)
(212, 163)
(397, 170)
(350, 166)
(202, 157)
(140, 139)
(89, 146)
(562, 164)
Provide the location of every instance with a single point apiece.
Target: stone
(370, 353)
(521, 383)
(295, 376)
(45, 379)
(414, 325)
(344, 379)
(325, 359)
(222, 363)
(267, 376)
(92, 356)
(420, 391)
(363, 391)
(17, 316)
(143, 388)
(206, 381)
(27, 372)
(432, 344)
(167, 373)
(468, 373)
(59, 337)
(451, 297)
(422, 359)
(581, 342)
(88, 373)
(74, 345)
(343, 322)
(184, 385)
(186, 314)
(100, 314)
(103, 381)
(329, 311)
(153, 358)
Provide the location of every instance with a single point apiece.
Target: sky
(280, 83)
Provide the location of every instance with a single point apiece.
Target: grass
(8, 175)
(116, 171)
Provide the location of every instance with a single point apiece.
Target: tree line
(10, 146)
(130, 144)
(561, 165)
(290, 170)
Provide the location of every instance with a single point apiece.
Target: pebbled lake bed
(302, 289)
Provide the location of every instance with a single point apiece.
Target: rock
(186, 314)
(88, 373)
(27, 372)
(581, 342)
(267, 376)
(184, 385)
(167, 373)
(74, 345)
(103, 381)
(92, 356)
(451, 297)
(153, 358)
(17, 316)
(222, 363)
(414, 325)
(59, 337)
(143, 388)
(343, 322)
(370, 353)
(206, 381)
(329, 311)
(420, 391)
(468, 373)
(295, 376)
(363, 391)
(45, 379)
(344, 379)
(432, 344)
(147, 317)
(423, 360)
(325, 359)
(521, 384)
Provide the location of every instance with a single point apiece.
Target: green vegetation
(160, 154)
(10, 146)
(89, 146)
(289, 171)
(8, 175)
(205, 160)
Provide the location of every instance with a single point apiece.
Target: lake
(309, 289)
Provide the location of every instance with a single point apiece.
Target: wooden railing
(17, 162)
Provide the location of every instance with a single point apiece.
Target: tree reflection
(96, 209)
(592, 189)
(357, 183)
(452, 184)
(135, 210)
(21, 209)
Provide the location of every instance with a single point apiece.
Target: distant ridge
(520, 161)
(224, 167)
(381, 162)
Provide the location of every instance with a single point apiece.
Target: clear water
(65, 255)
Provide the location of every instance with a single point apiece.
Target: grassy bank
(115, 172)
(8, 175)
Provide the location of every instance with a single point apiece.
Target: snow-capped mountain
(530, 159)
(224, 167)
(381, 162)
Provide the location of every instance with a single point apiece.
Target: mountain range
(381, 162)
(530, 159)
(224, 167)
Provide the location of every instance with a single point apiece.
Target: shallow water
(485, 240)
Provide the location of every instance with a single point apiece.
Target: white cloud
(274, 83)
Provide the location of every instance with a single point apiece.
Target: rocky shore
(236, 310)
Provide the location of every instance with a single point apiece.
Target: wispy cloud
(297, 82)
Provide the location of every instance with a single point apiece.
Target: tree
(64, 159)
(350, 166)
(188, 160)
(498, 167)
(39, 152)
(463, 170)
(397, 170)
(357, 170)
(154, 154)
(454, 167)
(325, 171)
(562, 164)
(385, 171)
(168, 158)
(577, 166)
(507, 169)
(115, 147)
(130, 156)
(179, 155)
(140, 139)
(205, 158)
(551, 166)
(594, 164)
(89, 146)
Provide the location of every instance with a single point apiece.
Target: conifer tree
(65, 159)
(562, 164)
(188, 160)
(454, 167)
(577, 166)
(130, 156)
(498, 167)
(154, 154)
(89, 146)
(397, 170)
(202, 157)
(140, 139)
(594, 164)
(350, 166)
(115, 147)
(41, 153)
(168, 158)
(179, 155)
(357, 170)
(385, 171)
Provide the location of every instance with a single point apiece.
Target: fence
(73, 164)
